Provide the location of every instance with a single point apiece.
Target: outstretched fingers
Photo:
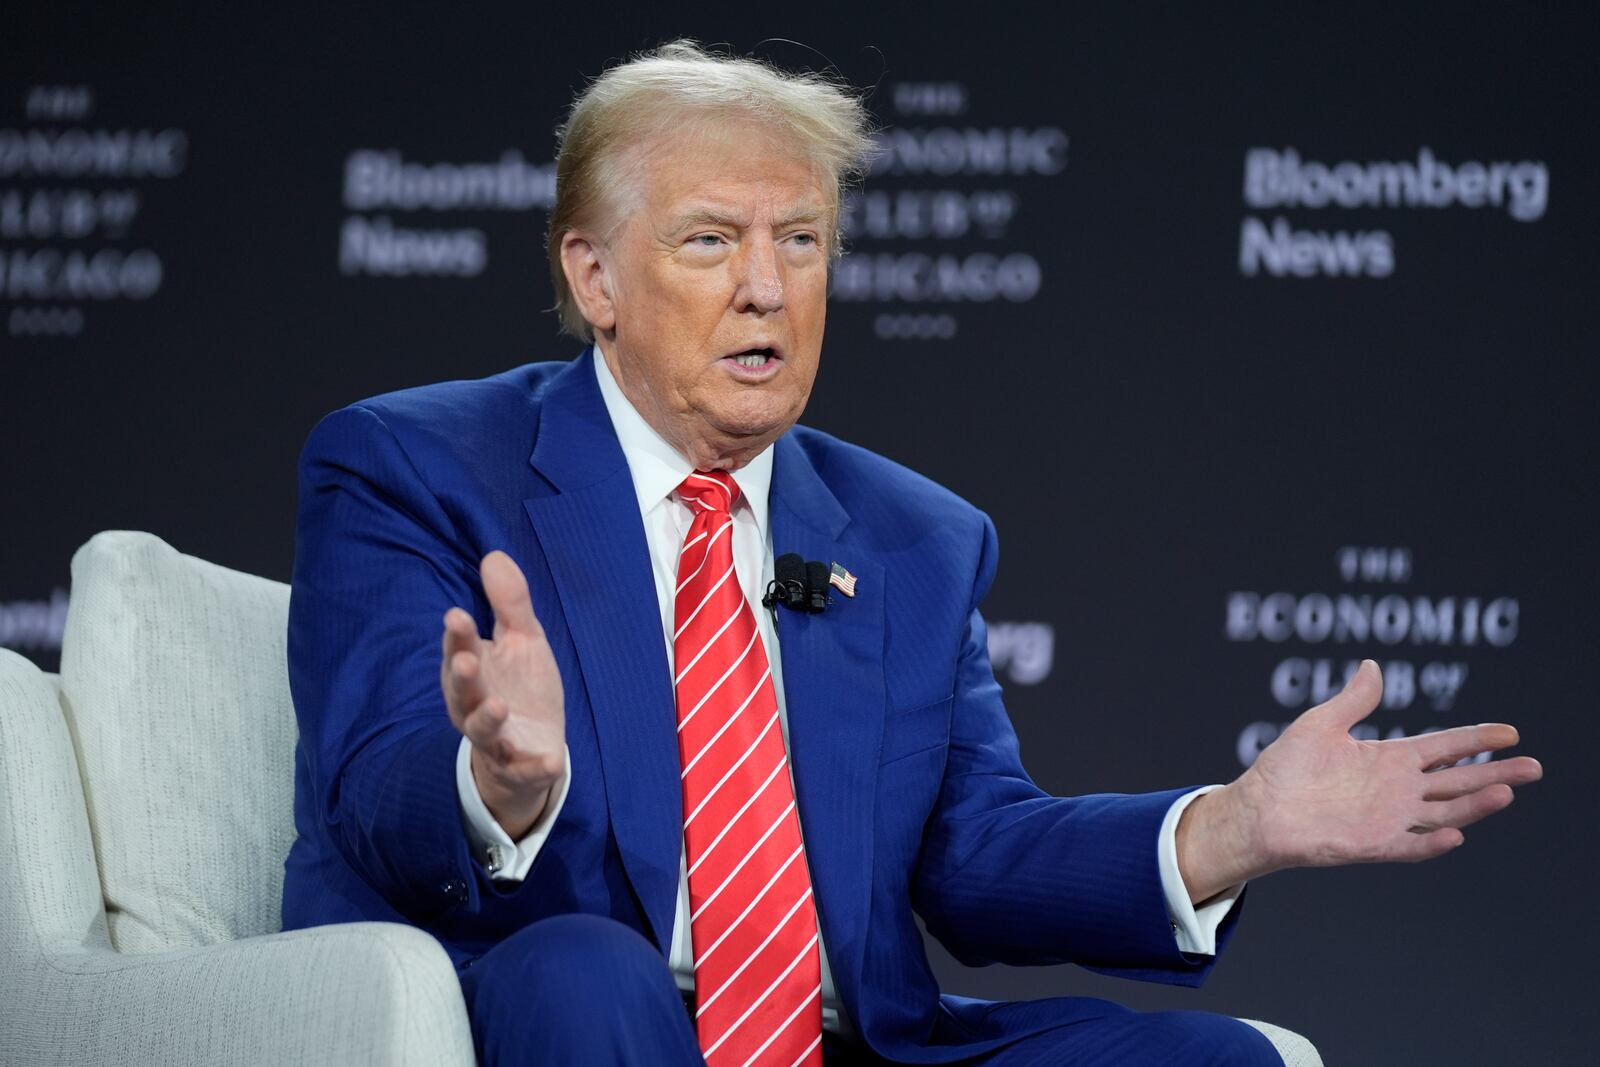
(459, 664)
(464, 686)
(1446, 747)
(474, 711)
(1455, 782)
(460, 633)
(1464, 810)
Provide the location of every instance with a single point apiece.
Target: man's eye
(806, 238)
(706, 240)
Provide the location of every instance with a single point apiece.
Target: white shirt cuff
(1194, 928)
(504, 859)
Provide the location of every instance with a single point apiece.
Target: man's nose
(760, 277)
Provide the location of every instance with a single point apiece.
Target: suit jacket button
(456, 890)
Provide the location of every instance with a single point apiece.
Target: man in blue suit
(524, 793)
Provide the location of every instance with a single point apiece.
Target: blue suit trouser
(581, 989)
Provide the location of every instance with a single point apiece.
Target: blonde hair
(662, 89)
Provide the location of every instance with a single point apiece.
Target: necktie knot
(710, 491)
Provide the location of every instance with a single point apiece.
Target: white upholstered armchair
(146, 806)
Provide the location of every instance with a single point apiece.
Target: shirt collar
(658, 468)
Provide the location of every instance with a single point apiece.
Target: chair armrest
(1295, 1050)
(358, 993)
(361, 993)
(51, 889)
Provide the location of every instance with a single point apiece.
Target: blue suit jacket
(910, 789)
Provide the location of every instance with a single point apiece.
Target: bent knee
(576, 938)
(577, 989)
(569, 958)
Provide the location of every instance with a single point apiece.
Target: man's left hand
(1317, 797)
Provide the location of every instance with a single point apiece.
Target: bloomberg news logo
(1281, 180)
(383, 190)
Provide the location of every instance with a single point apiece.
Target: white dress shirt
(658, 469)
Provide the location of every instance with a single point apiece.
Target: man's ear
(587, 267)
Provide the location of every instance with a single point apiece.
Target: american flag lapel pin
(842, 580)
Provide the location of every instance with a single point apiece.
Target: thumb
(1355, 702)
(507, 590)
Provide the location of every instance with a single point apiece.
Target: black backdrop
(1262, 336)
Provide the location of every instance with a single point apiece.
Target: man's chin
(732, 443)
(753, 417)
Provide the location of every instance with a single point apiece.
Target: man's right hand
(505, 696)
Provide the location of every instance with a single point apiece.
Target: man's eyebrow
(705, 217)
(713, 217)
(802, 214)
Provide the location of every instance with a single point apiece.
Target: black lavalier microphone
(797, 585)
(816, 586)
(788, 585)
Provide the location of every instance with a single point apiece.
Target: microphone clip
(790, 593)
(798, 585)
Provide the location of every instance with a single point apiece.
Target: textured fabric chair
(145, 811)
(146, 805)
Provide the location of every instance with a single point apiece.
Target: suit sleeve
(1010, 874)
(378, 561)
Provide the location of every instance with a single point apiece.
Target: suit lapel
(594, 542)
(834, 691)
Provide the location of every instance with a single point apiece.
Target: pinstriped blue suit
(910, 790)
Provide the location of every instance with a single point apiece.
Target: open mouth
(754, 358)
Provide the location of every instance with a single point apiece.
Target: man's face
(717, 281)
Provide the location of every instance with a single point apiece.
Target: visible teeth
(751, 359)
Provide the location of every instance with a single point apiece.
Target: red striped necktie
(753, 923)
